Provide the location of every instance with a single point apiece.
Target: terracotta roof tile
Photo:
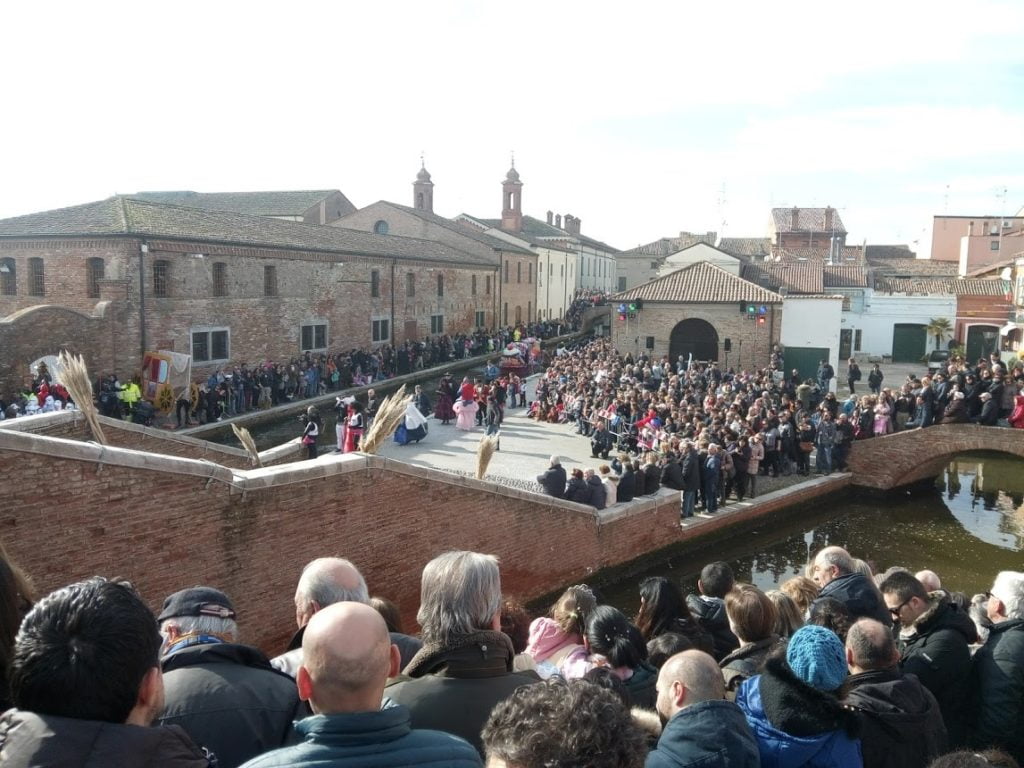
(274, 203)
(700, 283)
(958, 286)
(666, 246)
(914, 267)
(755, 247)
(844, 276)
(803, 277)
(808, 220)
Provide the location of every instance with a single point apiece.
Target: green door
(982, 340)
(908, 342)
(806, 360)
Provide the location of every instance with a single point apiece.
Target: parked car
(938, 360)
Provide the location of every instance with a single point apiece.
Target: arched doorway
(982, 341)
(693, 336)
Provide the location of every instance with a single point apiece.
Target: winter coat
(577, 490)
(690, 467)
(672, 476)
(627, 486)
(997, 689)
(955, 412)
(638, 483)
(900, 722)
(553, 481)
(229, 699)
(652, 479)
(642, 685)
(598, 495)
(859, 595)
(937, 652)
(454, 688)
(28, 740)
(748, 660)
(989, 413)
(796, 725)
(710, 613)
(380, 739)
(709, 734)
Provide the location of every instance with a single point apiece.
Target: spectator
(559, 723)
(833, 571)
(465, 665)
(831, 614)
(323, 582)
(793, 706)
(997, 683)
(610, 483)
(663, 647)
(224, 694)
(598, 497)
(935, 636)
(715, 582)
(346, 661)
(553, 479)
(787, 616)
(701, 727)
(901, 725)
(663, 609)
(752, 618)
(556, 641)
(802, 590)
(610, 642)
(86, 685)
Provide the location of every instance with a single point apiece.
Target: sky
(642, 119)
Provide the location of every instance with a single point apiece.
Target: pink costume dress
(465, 414)
(882, 422)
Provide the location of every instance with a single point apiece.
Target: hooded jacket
(900, 722)
(936, 650)
(577, 490)
(28, 740)
(710, 734)
(859, 595)
(453, 688)
(710, 613)
(598, 495)
(796, 725)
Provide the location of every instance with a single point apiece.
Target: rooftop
(271, 203)
(957, 286)
(807, 220)
(700, 283)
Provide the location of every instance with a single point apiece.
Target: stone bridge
(593, 315)
(921, 454)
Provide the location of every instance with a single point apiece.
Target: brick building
(310, 206)
(112, 278)
(794, 228)
(514, 291)
(700, 310)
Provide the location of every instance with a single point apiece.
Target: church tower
(512, 201)
(423, 190)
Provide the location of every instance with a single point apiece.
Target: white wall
(813, 323)
(554, 286)
(882, 311)
(700, 252)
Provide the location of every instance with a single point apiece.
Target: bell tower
(512, 200)
(423, 190)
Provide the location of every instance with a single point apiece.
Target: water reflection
(967, 530)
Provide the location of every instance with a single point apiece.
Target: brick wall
(658, 320)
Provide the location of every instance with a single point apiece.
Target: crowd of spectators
(839, 667)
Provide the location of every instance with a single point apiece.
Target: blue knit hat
(816, 656)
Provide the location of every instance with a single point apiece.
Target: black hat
(197, 601)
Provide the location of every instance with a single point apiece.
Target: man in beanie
(224, 694)
(793, 705)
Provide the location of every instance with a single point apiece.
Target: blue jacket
(711, 734)
(779, 749)
(369, 740)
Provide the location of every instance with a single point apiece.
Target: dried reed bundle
(484, 451)
(245, 438)
(389, 416)
(75, 376)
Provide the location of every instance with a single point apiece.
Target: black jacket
(553, 481)
(577, 490)
(859, 595)
(627, 486)
(638, 483)
(710, 613)
(900, 722)
(748, 661)
(642, 686)
(28, 740)
(672, 475)
(997, 689)
(989, 413)
(598, 495)
(709, 734)
(690, 465)
(652, 479)
(938, 654)
(229, 699)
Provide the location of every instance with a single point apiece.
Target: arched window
(8, 278)
(381, 227)
(93, 275)
(220, 278)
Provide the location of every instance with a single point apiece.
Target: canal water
(967, 528)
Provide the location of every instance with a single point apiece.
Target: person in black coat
(627, 483)
(553, 479)
(989, 411)
(901, 725)
(833, 571)
(577, 490)
(601, 441)
(672, 474)
(639, 488)
(652, 475)
(689, 467)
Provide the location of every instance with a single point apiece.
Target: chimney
(572, 224)
(828, 218)
(796, 219)
(558, 220)
(970, 229)
(550, 216)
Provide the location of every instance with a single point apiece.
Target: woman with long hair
(663, 609)
(613, 642)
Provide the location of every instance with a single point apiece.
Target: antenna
(423, 160)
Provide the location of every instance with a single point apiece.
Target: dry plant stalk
(389, 416)
(245, 438)
(484, 451)
(75, 376)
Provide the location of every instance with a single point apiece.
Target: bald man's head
(347, 659)
(929, 580)
(870, 646)
(325, 581)
(688, 678)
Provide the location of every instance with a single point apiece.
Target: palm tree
(940, 328)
